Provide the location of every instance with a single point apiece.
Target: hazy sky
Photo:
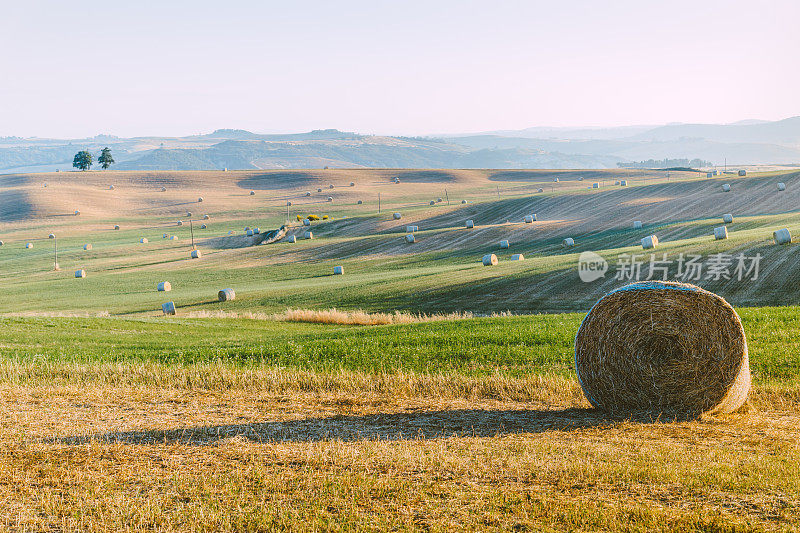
(167, 67)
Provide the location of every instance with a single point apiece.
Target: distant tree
(105, 159)
(83, 160)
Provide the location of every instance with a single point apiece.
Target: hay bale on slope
(504, 244)
(781, 186)
(360, 202)
(51, 236)
(727, 218)
(410, 238)
(338, 271)
(489, 260)
(143, 240)
(173, 237)
(291, 239)
(226, 295)
(529, 219)
(252, 193)
(721, 233)
(116, 227)
(782, 236)
(569, 242)
(164, 286)
(80, 273)
(469, 224)
(195, 254)
(623, 183)
(540, 190)
(518, 257)
(637, 224)
(308, 235)
(397, 216)
(87, 246)
(662, 347)
(29, 245)
(77, 212)
(168, 308)
(649, 242)
(726, 187)
(200, 200)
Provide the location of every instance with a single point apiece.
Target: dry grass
(335, 316)
(207, 448)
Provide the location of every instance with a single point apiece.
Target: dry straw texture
(663, 348)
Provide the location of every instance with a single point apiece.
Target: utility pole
(379, 203)
(498, 191)
(288, 203)
(191, 229)
(448, 198)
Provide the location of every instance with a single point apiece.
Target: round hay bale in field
(721, 233)
(203, 226)
(529, 219)
(111, 187)
(306, 222)
(555, 180)
(291, 238)
(200, 200)
(580, 178)
(206, 217)
(663, 347)
(1, 243)
(463, 202)
(164, 286)
(410, 238)
(412, 229)
(256, 231)
(616, 182)
(489, 260)
(252, 193)
(359, 202)
(195, 254)
(179, 223)
(782, 236)
(226, 295)
(432, 202)
(163, 189)
(727, 218)
(308, 235)
(29, 245)
(143, 240)
(569, 242)
(397, 216)
(51, 236)
(637, 224)
(623, 183)
(743, 173)
(781, 186)
(651, 241)
(77, 212)
(709, 174)
(726, 187)
(173, 237)
(80, 273)
(540, 190)
(330, 198)
(469, 224)
(189, 214)
(439, 200)
(319, 189)
(338, 271)
(330, 186)
(397, 180)
(249, 233)
(308, 193)
(352, 184)
(164, 236)
(595, 185)
(504, 244)
(289, 204)
(168, 308)
(116, 227)
(518, 257)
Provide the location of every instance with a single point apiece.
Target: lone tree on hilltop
(83, 160)
(105, 159)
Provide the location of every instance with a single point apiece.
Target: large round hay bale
(289, 204)
(781, 186)
(662, 347)
(504, 244)
(397, 216)
(637, 224)
(164, 286)
(195, 254)
(168, 308)
(308, 235)
(721, 233)
(649, 242)
(189, 214)
(727, 218)
(489, 260)
(308, 193)
(226, 295)
(1, 243)
(203, 226)
(80, 273)
(782, 236)
(256, 231)
(29, 245)
(569, 242)
(291, 238)
(143, 240)
(726, 187)
(616, 182)
(338, 270)
(410, 238)
(439, 200)
(518, 257)
(111, 187)
(469, 224)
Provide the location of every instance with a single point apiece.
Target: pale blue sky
(407, 67)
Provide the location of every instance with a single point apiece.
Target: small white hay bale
(180, 223)
(518, 257)
(338, 271)
(595, 185)
(330, 198)
(489, 260)
(256, 231)
(29, 245)
(87, 246)
(143, 240)
(230, 232)
(580, 178)
(206, 217)
(616, 182)
(164, 236)
(111, 187)
(200, 200)
(569, 242)
(709, 174)
(308, 193)
(330, 186)
(168, 308)
(45, 185)
(504, 244)
(308, 235)
(164, 286)
(352, 184)
(637, 224)
(781, 186)
(359, 202)
(203, 226)
(397, 180)
(651, 241)
(726, 187)
(80, 273)
(195, 254)
(247, 228)
(289, 203)
(529, 219)
(173, 237)
(77, 212)
(469, 224)
(163, 189)
(555, 180)
(727, 218)
(782, 236)
(410, 238)
(721, 233)
(743, 173)
(249, 233)
(540, 190)
(411, 229)
(1, 243)
(51, 236)
(189, 214)
(439, 200)
(397, 216)
(291, 238)
(226, 295)
(319, 189)
(306, 222)
(463, 202)
(432, 203)
(252, 193)
(623, 183)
